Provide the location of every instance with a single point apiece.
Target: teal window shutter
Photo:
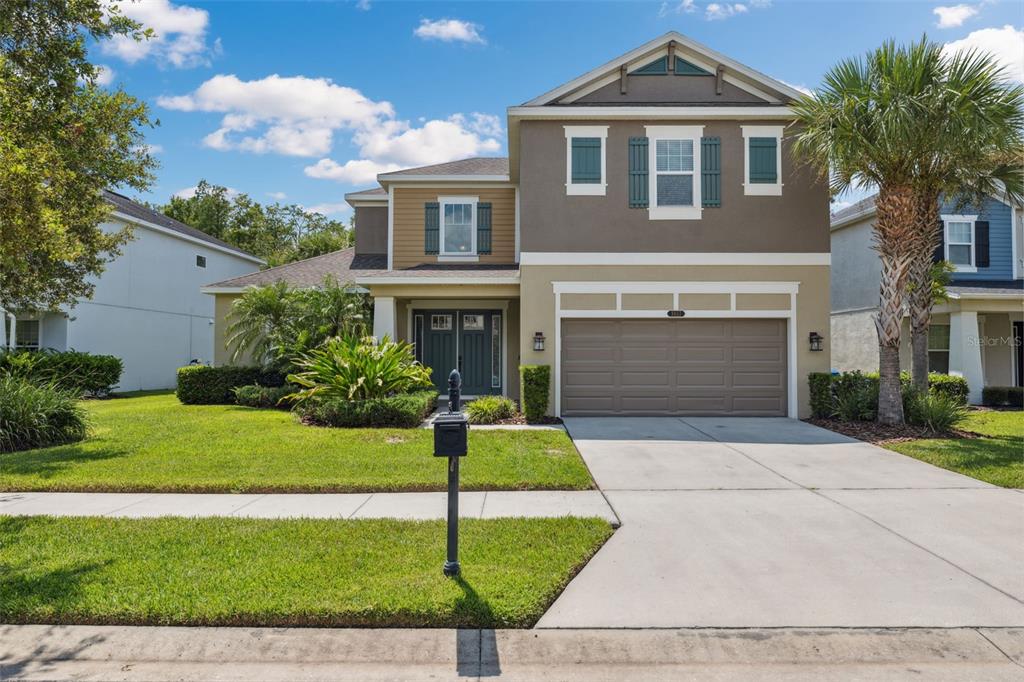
(638, 172)
(586, 160)
(763, 160)
(432, 227)
(483, 227)
(711, 172)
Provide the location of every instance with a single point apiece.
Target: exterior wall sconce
(538, 341)
(816, 339)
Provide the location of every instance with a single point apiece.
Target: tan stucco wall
(812, 304)
(408, 229)
(222, 354)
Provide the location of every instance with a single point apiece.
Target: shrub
(204, 385)
(490, 409)
(536, 381)
(946, 384)
(38, 416)
(358, 369)
(254, 395)
(1003, 396)
(853, 396)
(404, 411)
(821, 394)
(79, 373)
(936, 411)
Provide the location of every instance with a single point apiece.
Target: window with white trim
(959, 241)
(458, 226)
(938, 348)
(674, 163)
(762, 160)
(26, 334)
(585, 160)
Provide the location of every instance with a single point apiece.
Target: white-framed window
(26, 333)
(760, 145)
(674, 172)
(938, 348)
(458, 228)
(441, 323)
(473, 322)
(586, 160)
(959, 241)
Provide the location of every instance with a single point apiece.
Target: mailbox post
(451, 441)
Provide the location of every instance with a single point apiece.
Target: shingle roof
(372, 193)
(988, 288)
(344, 265)
(480, 165)
(123, 204)
(854, 209)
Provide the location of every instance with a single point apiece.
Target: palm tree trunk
(920, 298)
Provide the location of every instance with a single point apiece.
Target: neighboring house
(976, 334)
(147, 308)
(649, 237)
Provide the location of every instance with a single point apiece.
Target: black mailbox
(450, 435)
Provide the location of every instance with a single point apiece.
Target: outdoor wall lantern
(816, 340)
(538, 341)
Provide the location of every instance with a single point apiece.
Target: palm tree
(863, 127)
(975, 117)
(259, 320)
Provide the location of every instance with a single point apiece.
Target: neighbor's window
(200, 261)
(585, 160)
(960, 241)
(458, 226)
(938, 348)
(26, 334)
(674, 161)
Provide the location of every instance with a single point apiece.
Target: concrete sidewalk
(40, 652)
(475, 505)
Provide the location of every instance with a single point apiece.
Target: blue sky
(304, 101)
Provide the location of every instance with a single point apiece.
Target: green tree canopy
(64, 139)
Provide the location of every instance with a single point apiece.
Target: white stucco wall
(147, 308)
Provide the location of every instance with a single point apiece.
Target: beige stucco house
(649, 237)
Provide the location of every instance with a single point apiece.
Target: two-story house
(649, 237)
(977, 333)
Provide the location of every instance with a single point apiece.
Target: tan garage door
(674, 367)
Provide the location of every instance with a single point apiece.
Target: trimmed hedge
(536, 382)
(205, 385)
(1003, 396)
(254, 395)
(38, 416)
(73, 371)
(846, 393)
(407, 410)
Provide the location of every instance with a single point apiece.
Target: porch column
(965, 352)
(384, 317)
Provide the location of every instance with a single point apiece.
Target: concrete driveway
(735, 522)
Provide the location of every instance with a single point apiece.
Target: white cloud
(449, 30)
(278, 196)
(760, 4)
(681, 7)
(153, 148)
(353, 172)
(1006, 44)
(716, 10)
(189, 192)
(363, 5)
(955, 15)
(104, 75)
(802, 88)
(180, 35)
(328, 209)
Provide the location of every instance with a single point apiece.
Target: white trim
(448, 186)
(1016, 218)
(654, 134)
(516, 223)
(368, 204)
(852, 218)
(653, 113)
(972, 219)
(132, 220)
(586, 189)
(452, 258)
(675, 288)
(465, 256)
(691, 258)
(391, 227)
(753, 189)
(427, 281)
(384, 318)
(387, 177)
(975, 297)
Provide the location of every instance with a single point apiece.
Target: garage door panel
(665, 367)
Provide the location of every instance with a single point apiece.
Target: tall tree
(863, 126)
(975, 118)
(62, 140)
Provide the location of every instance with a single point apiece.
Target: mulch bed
(881, 434)
(521, 419)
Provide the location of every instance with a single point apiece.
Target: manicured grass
(154, 443)
(258, 572)
(997, 457)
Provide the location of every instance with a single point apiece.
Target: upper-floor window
(458, 226)
(762, 160)
(200, 261)
(674, 160)
(585, 165)
(960, 241)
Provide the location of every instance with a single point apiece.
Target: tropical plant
(38, 416)
(935, 411)
(490, 409)
(353, 368)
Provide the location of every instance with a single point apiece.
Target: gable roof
(695, 53)
(493, 168)
(344, 265)
(134, 212)
(854, 212)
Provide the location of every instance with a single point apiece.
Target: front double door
(469, 340)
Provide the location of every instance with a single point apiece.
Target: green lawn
(258, 572)
(153, 443)
(997, 457)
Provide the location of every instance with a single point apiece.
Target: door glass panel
(496, 351)
(441, 323)
(473, 323)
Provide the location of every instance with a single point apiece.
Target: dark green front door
(469, 340)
